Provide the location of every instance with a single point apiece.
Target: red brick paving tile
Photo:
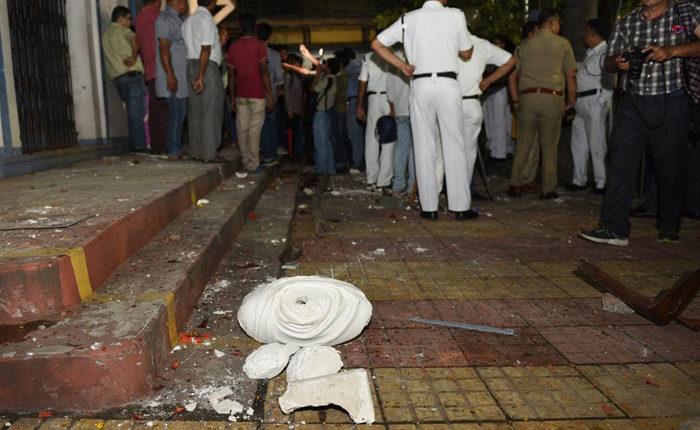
(570, 312)
(413, 348)
(672, 342)
(526, 348)
(598, 345)
(354, 354)
(486, 312)
(395, 314)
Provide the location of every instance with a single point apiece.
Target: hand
(484, 85)
(129, 62)
(270, 104)
(408, 69)
(304, 50)
(360, 114)
(172, 83)
(622, 64)
(569, 106)
(290, 115)
(659, 54)
(392, 112)
(198, 85)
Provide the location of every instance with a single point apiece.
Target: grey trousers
(205, 114)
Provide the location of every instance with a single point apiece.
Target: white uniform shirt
(200, 30)
(431, 45)
(374, 71)
(590, 72)
(471, 72)
(398, 89)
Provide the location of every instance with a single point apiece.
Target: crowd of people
(410, 112)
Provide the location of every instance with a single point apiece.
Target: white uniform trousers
(379, 159)
(498, 121)
(438, 137)
(472, 119)
(589, 138)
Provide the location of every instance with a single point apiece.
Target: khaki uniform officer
(546, 66)
(435, 38)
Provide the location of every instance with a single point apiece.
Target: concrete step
(115, 207)
(108, 350)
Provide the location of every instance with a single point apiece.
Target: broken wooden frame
(664, 308)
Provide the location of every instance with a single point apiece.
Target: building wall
(10, 142)
(86, 71)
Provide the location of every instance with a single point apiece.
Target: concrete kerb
(101, 372)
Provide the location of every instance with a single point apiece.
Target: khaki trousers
(250, 116)
(539, 124)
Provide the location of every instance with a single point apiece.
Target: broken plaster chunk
(615, 305)
(268, 361)
(349, 390)
(314, 361)
(305, 311)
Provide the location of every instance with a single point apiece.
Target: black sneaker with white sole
(601, 234)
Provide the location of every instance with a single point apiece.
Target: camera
(636, 58)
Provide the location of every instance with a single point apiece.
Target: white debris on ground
(190, 407)
(223, 405)
(268, 361)
(615, 305)
(349, 390)
(315, 313)
(202, 202)
(314, 361)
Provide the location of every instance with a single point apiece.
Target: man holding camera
(648, 47)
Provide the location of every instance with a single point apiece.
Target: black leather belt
(371, 93)
(451, 75)
(351, 98)
(474, 97)
(129, 74)
(588, 93)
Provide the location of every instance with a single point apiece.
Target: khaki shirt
(543, 61)
(116, 44)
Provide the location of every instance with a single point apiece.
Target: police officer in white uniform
(592, 106)
(472, 87)
(435, 38)
(378, 158)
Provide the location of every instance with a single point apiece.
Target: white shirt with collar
(200, 30)
(398, 89)
(471, 71)
(431, 46)
(590, 73)
(374, 72)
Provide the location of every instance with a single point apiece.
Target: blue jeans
(403, 157)
(323, 142)
(132, 91)
(269, 137)
(340, 141)
(177, 111)
(356, 133)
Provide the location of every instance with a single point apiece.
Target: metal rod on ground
(465, 326)
(482, 173)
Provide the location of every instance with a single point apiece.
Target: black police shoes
(466, 215)
(432, 216)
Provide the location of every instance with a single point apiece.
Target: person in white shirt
(378, 158)
(435, 38)
(205, 106)
(398, 89)
(592, 107)
(472, 86)
(498, 119)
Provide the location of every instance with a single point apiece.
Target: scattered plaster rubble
(314, 313)
(349, 390)
(268, 361)
(222, 405)
(314, 361)
(305, 310)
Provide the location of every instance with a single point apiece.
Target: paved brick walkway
(571, 364)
